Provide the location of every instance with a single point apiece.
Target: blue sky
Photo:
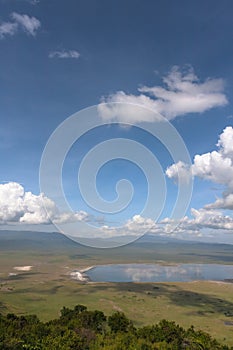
(59, 57)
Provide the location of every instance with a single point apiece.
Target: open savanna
(47, 287)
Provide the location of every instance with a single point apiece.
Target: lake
(159, 273)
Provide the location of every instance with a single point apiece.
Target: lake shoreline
(160, 272)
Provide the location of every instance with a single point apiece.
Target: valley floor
(43, 286)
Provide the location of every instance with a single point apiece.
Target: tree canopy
(81, 329)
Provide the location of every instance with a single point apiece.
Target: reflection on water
(160, 273)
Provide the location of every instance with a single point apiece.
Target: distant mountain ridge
(146, 248)
(25, 238)
(34, 240)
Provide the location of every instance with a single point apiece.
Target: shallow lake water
(160, 273)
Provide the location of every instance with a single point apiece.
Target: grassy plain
(48, 287)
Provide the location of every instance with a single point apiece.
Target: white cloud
(135, 226)
(216, 166)
(201, 219)
(225, 142)
(211, 219)
(71, 217)
(226, 202)
(29, 24)
(64, 54)
(140, 224)
(182, 93)
(18, 206)
(126, 108)
(179, 172)
(8, 28)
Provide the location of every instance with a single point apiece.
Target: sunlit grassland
(48, 287)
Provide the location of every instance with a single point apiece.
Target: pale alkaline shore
(79, 275)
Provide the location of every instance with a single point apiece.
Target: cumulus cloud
(135, 226)
(18, 206)
(28, 24)
(226, 202)
(125, 108)
(64, 54)
(179, 172)
(182, 93)
(211, 219)
(201, 219)
(225, 142)
(140, 224)
(216, 166)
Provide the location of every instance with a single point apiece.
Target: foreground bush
(80, 329)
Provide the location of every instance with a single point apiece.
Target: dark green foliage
(69, 314)
(118, 322)
(81, 329)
